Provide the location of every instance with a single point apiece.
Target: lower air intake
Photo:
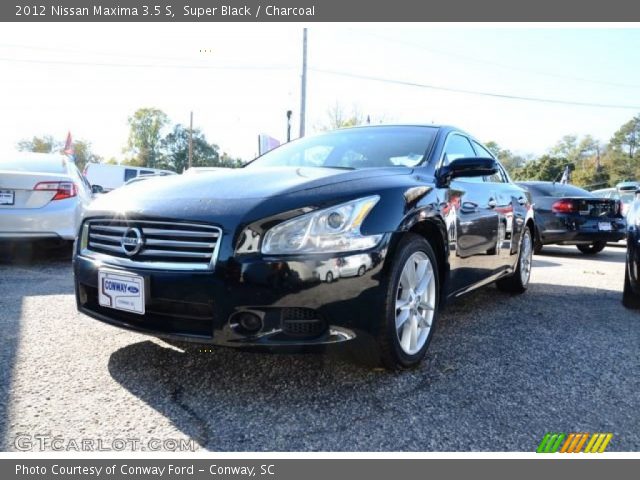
(302, 322)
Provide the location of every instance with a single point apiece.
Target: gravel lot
(501, 372)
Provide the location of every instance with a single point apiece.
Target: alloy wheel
(526, 252)
(415, 303)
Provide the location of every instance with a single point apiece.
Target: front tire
(411, 304)
(518, 282)
(593, 248)
(629, 298)
(329, 277)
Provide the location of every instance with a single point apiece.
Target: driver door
(472, 221)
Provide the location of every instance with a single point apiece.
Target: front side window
(457, 147)
(362, 147)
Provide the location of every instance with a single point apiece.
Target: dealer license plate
(604, 226)
(121, 290)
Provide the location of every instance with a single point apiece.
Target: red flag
(68, 145)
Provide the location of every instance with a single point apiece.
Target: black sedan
(569, 215)
(359, 232)
(631, 292)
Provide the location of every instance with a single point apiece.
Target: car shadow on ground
(609, 254)
(543, 263)
(492, 381)
(35, 252)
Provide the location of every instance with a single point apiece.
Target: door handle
(492, 203)
(469, 207)
(522, 200)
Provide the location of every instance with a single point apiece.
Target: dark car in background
(569, 215)
(248, 256)
(631, 291)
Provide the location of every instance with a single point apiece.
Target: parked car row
(406, 217)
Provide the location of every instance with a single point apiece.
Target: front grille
(302, 322)
(162, 244)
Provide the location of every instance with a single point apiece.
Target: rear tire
(537, 247)
(329, 277)
(410, 306)
(593, 248)
(629, 298)
(518, 281)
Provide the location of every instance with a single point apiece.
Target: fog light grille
(302, 322)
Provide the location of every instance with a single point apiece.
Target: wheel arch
(433, 230)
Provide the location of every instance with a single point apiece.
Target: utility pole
(303, 90)
(191, 139)
(289, 113)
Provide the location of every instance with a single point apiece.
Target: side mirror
(467, 167)
(97, 189)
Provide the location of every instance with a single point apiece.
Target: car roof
(440, 127)
(535, 182)
(627, 184)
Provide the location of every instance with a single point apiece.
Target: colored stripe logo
(574, 443)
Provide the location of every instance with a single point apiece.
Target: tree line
(594, 164)
(152, 142)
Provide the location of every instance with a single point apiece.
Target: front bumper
(296, 304)
(57, 219)
(633, 259)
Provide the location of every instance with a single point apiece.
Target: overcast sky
(88, 78)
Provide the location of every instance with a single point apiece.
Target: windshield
(367, 147)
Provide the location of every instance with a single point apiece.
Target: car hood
(235, 192)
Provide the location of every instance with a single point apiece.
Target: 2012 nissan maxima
(364, 231)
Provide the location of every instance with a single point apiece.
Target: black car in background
(631, 292)
(569, 215)
(252, 256)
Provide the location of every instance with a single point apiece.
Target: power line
(88, 52)
(473, 92)
(325, 71)
(150, 65)
(498, 64)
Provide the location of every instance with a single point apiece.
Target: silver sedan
(41, 196)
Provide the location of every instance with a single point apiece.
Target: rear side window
(130, 173)
(28, 164)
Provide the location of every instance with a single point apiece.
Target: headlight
(335, 229)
